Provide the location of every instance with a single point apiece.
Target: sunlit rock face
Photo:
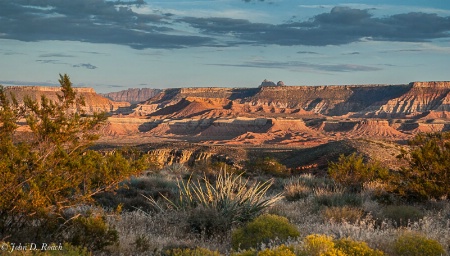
(94, 102)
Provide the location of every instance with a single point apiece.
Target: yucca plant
(230, 195)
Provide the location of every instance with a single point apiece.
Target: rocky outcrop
(191, 154)
(132, 95)
(367, 101)
(289, 115)
(94, 102)
(267, 83)
(421, 97)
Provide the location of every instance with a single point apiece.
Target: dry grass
(143, 234)
(146, 234)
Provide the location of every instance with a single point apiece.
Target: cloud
(84, 65)
(307, 52)
(342, 25)
(351, 53)
(55, 55)
(95, 21)
(9, 53)
(115, 86)
(120, 23)
(50, 61)
(301, 66)
(4, 82)
(93, 52)
(403, 50)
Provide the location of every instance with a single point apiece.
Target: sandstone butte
(270, 115)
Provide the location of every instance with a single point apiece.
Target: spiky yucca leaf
(231, 195)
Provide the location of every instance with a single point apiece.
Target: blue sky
(115, 45)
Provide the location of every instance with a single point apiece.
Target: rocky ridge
(94, 102)
(295, 115)
(273, 115)
(132, 95)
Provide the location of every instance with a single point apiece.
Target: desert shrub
(263, 229)
(341, 214)
(129, 194)
(401, 214)
(282, 250)
(428, 174)
(199, 251)
(351, 247)
(175, 171)
(208, 221)
(315, 182)
(92, 232)
(351, 171)
(338, 200)
(53, 169)
(267, 165)
(142, 243)
(250, 252)
(230, 195)
(412, 244)
(381, 192)
(296, 190)
(319, 245)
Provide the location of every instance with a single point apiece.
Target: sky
(120, 44)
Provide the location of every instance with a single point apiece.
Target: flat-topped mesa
(326, 87)
(132, 95)
(48, 89)
(94, 102)
(209, 92)
(431, 84)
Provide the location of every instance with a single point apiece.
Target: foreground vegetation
(56, 190)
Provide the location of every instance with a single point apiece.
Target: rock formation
(132, 95)
(267, 83)
(280, 83)
(94, 102)
(278, 115)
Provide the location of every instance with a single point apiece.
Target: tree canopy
(53, 170)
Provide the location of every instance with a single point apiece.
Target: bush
(296, 190)
(342, 214)
(129, 194)
(231, 196)
(92, 232)
(251, 252)
(267, 165)
(262, 230)
(351, 247)
(319, 245)
(352, 172)
(282, 250)
(208, 221)
(412, 244)
(428, 174)
(53, 169)
(401, 214)
(339, 200)
(199, 251)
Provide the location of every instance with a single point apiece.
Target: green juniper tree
(54, 170)
(428, 174)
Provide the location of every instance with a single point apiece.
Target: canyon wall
(94, 102)
(132, 95)
(370, 101)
